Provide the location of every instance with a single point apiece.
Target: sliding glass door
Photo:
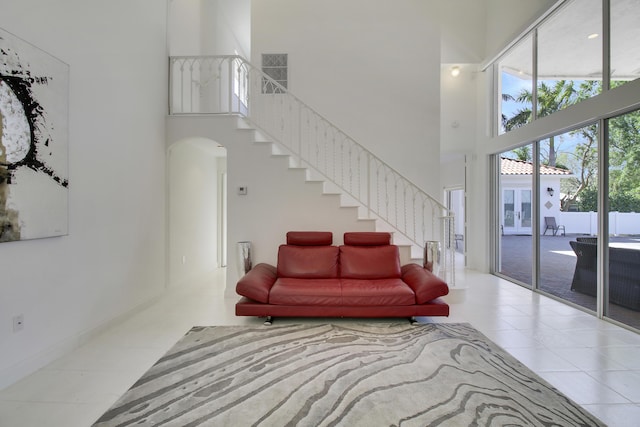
(568, 211)
(515, 207)
(568, 89)
(623, 285)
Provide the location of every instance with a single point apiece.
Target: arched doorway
(197, 169)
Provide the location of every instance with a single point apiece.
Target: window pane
(525, 208)
(625, 33)
(570, 56)
(568, 216)
(624, 219)
(508, 208)
(515, 73)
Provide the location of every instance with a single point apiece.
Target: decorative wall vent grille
(274, 65)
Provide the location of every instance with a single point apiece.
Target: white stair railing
(231, 85)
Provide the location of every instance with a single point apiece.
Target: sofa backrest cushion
(308, 262)
(367, 238)
(310, 238)
(369, 262)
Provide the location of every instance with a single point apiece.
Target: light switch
(242, 191)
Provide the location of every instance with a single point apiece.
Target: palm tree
(523, 153)
(551, 98)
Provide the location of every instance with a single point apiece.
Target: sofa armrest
(257, 283)
(426, 285)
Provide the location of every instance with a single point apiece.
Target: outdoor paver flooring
(557, 264)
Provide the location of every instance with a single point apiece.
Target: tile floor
(595, 363)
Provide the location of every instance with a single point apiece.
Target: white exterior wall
(524, 182)
(620, 223)
(371, 68)
(113, 259)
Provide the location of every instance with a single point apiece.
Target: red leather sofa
(362, 278)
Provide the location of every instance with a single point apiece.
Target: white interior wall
(202, 27)
(209, 27)
(193, 209)
(459, 127)
(463, 31)
(278, 200)
(184, 32)
(371, 68)
(477, 181)
(469, 39)
(113, 259)
(223, 214)
(226, 27)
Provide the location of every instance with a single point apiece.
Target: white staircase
(280, 157)
(306, 144)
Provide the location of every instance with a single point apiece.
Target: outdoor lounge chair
(550, 224)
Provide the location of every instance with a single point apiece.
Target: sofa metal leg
(268, 321)
(414, 321)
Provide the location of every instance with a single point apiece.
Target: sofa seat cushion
(308, 262)
(373, 262)
(290, 291)
(365, 292)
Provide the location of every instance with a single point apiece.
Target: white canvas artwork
(34, 185)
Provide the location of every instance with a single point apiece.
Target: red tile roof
(519, 167)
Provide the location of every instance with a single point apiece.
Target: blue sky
(513, 86)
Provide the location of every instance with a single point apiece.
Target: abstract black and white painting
(34, 97)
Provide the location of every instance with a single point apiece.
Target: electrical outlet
(18, 323)
(184, 259)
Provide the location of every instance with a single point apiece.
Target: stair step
(409, 253)
(242, 123)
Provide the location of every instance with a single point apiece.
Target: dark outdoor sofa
(624, 273)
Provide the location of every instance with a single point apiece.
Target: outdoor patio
(557, 264)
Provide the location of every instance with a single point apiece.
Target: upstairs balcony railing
(231, 85)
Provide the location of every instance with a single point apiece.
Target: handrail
(228, 84)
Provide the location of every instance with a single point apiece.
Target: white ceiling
(566, 52)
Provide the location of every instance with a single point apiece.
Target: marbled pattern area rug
(379, 374)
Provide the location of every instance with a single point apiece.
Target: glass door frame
(518, 193)
(495, 227)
